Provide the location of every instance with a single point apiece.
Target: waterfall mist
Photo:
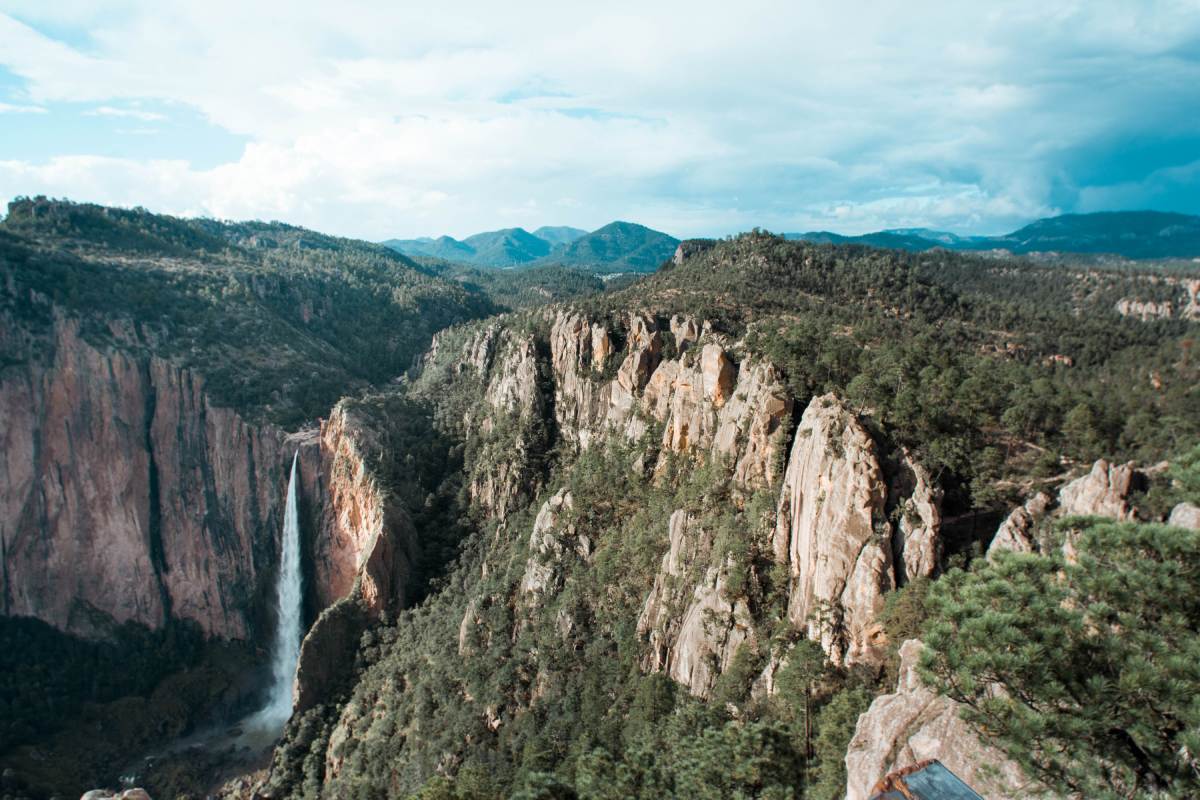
(288, 605)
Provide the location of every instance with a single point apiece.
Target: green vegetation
(1130, 234)
(961, 359)
(512, 289)
(998, 375)
(1097, 657)
(618, 247)
(74, 712)
(280, 321)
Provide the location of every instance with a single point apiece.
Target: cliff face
(363, 539)
(126, 495)
(125, 492)
(706, 403)
(1104, 491)
(848, 527)
(835, 534)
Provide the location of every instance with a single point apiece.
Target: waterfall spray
(288, 602)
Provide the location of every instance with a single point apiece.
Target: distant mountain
(444, 247)
(618, 247)
(1132, 234)
(559, 234)
(506, 248)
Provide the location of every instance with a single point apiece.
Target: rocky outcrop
(915, 724)
(916, 543)
(126, 495)
(1103, 492)
(1017, 533)
(364, 540)
(708, 404)
(552, 537)
(105, 794)
(1185, 515)
(1144, 310)
(692, 625)
(830, 532)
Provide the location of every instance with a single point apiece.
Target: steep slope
(698, 504)
(618, 247)
(150, 366)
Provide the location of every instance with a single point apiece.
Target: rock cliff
(1104, 491)
(692, 624)
(125, 493)
(915, 724)
(706, 403)
(834, 533)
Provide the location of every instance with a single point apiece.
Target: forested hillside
(281, 321)
(632, 613)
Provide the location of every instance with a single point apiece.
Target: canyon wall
(850, 525)
(127, 496)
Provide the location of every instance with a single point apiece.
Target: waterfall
(288, 602)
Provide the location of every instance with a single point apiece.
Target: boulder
(1185, 515)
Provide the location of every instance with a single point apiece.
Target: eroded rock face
(364, 539)
(551, 537)
(1103, 492)
(125, 493)
(915, 724)
(1016, 533)
(830, 532)
(692, 625)
(707, 403)
(916, 544)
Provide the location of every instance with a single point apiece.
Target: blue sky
(698, 118)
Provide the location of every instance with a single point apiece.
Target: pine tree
(1084, 670)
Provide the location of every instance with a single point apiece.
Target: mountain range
(1132, 234)
(616, 247)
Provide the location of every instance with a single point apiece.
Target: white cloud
(9, 108)
(131, 113)
(694, 117)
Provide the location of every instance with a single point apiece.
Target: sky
(398, 119)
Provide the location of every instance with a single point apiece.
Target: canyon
(625, 503)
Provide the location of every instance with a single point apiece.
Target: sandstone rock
(915, 724)
(323, 669)
(916, 545)
(365, 539)
(1185, 515)
(126, 495)
(1103, 492)
(1191, 308)
(547, 543)
(692, 625)
(685, 331)
(513, 386)
(1144, 309)
(828, 532)
(1016, 533)
(601, 347)
(719, 374)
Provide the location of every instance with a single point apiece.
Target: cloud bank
(696, 118)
